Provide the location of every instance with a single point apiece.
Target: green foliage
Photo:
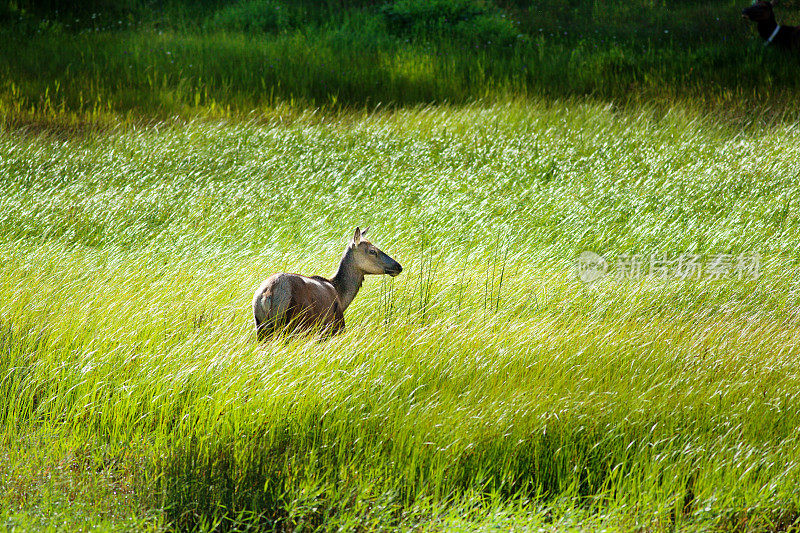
(414, 13)
(252, 16)
(56, 8)
(484, 388)
(360, 57)
(484, 385)
(474, 21)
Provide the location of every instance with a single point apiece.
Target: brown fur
(302, 302)
(294, 302)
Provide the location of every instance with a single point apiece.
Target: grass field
(94, 67)
(484, 387)
(155, 169)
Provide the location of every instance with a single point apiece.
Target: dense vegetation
(223, 59)
(159, 159)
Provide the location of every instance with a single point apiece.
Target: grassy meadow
(198, 58)
(485, 388)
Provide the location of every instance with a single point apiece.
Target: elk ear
(357, 236)
(364, 231)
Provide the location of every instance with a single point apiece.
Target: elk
(296, 302)
(773, 33)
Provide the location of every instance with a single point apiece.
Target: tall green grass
(484, 387)
(79, 70)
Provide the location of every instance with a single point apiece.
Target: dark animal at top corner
(761, 12)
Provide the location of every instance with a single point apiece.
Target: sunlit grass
(484, 387)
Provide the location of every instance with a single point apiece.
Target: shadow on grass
(701, 56)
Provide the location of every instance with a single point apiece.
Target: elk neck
(348, 279)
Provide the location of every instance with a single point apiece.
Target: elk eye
(372, 252)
